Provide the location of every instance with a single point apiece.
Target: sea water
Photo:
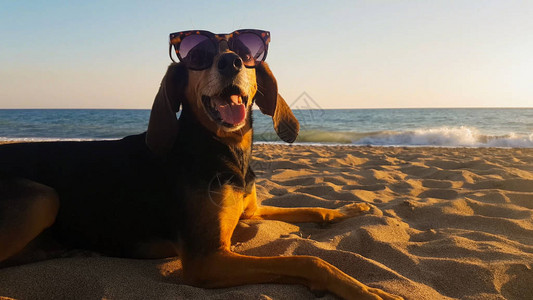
(461, 127)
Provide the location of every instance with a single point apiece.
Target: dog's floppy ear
(163, 124)
(272, 104)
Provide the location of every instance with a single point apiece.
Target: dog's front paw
(342, 213)
(354, 209)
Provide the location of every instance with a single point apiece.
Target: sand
(445, 224)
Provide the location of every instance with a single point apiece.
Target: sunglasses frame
(176, 38)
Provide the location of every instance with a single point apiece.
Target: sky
(339, 54)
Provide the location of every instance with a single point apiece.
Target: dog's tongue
(232, 113)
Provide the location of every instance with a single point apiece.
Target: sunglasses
(198, 48)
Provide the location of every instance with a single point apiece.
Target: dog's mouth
(227, 108)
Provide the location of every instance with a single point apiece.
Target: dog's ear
(272, 104)
(163, 124)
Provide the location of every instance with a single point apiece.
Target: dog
(180, 188)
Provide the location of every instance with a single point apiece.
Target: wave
(448, 136)
(436, 137)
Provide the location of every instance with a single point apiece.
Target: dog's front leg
(300, 214)
(208, 261)
(309, 214)
(224, 269)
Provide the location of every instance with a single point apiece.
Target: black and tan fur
(178, 189)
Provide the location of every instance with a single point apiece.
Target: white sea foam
(446, 136)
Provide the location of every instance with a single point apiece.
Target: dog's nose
(229, 64)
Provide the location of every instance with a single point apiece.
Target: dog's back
(111, 192)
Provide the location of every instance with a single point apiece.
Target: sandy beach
(445, 223)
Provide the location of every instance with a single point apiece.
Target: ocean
(446, 127)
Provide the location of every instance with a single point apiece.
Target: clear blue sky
(343, 54)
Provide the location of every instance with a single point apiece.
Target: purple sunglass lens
(250, 47)
(197, 51)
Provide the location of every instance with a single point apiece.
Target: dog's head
(220, 98)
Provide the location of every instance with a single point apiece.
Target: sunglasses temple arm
(170, 53)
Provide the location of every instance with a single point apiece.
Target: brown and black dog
(178, 189)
